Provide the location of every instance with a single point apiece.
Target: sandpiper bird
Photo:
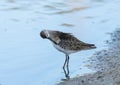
(66, 43)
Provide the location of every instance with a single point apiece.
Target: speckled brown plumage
(69, 42)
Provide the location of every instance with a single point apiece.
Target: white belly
(63, 50)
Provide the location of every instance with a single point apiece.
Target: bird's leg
(64, 67)
(68, 67)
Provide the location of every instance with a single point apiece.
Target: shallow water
(27, 59)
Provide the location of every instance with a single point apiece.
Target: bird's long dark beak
(52, 41)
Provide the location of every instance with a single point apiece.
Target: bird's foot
(67, 78)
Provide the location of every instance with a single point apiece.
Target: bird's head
(51, 35)
(44, 34)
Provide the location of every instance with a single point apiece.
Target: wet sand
(106, 63)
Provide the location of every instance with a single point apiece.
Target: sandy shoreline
(107, 64)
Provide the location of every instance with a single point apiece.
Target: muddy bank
(106, 63)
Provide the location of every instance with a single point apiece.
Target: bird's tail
(89, 46)
(92, 46)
